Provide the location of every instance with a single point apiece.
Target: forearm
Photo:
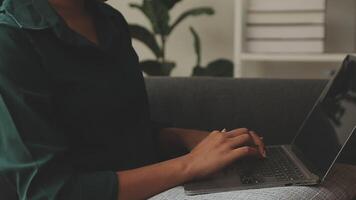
(177, 139)
(146, 182)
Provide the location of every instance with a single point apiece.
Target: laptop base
(255, 174)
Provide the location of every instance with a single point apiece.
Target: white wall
(216, 33)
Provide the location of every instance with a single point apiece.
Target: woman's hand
(215, 152)
(176, 141)
(220, 149)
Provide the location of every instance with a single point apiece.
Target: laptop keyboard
(277, 165)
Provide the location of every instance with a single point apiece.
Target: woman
(75, 110)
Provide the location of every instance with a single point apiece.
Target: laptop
(308, 159)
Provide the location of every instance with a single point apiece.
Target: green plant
(158, 13)
(220, 67)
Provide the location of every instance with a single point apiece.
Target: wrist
(187, 169)
(191, 138)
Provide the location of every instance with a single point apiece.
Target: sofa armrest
(275, 108)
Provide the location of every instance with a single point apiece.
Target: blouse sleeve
(32, 149)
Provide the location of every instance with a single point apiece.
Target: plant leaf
(218, 68)
(197, 45)
(145, 36)
(170, 3)
(191, 13)
(135, 5)
(155, 68)
(157, 13)
(199, 71)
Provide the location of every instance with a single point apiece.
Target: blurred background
(241, 38)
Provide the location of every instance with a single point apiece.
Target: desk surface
(340, 185)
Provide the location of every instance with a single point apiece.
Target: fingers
(237, 132)
(242, 137)
(245, 151)
(240, 141)
(259, 143)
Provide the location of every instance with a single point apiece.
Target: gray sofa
(274, 108)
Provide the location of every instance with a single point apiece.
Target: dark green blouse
(72, 113)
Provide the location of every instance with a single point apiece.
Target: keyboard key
(277, 165)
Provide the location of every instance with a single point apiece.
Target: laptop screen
(330, 124)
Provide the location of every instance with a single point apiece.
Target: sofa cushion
(274, 108)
